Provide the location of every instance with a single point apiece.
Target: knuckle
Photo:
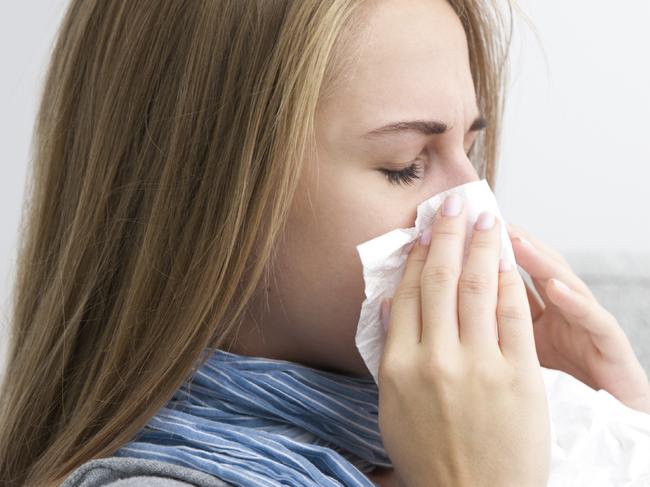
(510, 279)
(390, 365)
(438, 276)
(446, 229)
(511, 312)
(417, 256)
(446, 237)
(474, 282)
(439, 368)
(512, 286)
(407, 292)
(392, 370)
(483, 242)
(488, 373)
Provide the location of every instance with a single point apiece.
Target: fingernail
(485, 221)
(560, 285)
(452, 205)
(425, 238)
(525, 242)
(504, 265)
(384, 314)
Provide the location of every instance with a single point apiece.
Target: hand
(456, 405)
(573, 332)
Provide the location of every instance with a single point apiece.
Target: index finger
(405, 313)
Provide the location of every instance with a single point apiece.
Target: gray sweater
(136, 472)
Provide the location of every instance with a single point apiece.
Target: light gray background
(575, 160)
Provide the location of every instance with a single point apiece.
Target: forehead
(412, 60)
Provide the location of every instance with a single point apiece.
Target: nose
(458, 169)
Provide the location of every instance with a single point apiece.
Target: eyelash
(407, 175)
(404, 176)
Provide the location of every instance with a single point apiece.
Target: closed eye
(410, 173)
(404, 176)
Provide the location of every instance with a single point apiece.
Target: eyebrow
(424, 127)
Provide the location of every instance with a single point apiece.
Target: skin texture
(344, 198)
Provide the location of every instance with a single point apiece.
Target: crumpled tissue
(595, 439)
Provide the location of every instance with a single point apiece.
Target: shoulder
(137, 472)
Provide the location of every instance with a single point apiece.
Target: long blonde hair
(167, 147)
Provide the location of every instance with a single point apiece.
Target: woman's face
(414, 66)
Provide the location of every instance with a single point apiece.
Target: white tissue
(595, 439)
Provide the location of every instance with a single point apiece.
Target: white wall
(27, 28)
(575, 154)
(576, 160)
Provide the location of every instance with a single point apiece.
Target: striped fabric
(253, 421)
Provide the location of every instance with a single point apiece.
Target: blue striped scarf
(264, 422)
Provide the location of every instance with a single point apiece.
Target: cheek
(320, 277)
(319, 259)
(349, 205)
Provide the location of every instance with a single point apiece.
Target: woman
(203, 172)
